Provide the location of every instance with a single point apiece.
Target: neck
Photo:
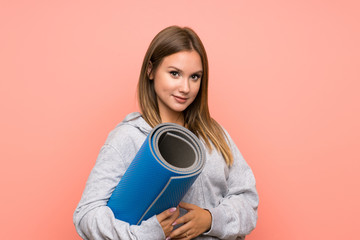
(178, 119)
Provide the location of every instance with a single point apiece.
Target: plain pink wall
(284, 81)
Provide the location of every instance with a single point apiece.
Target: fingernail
(172, 209)
(168, 238)
(174, 223)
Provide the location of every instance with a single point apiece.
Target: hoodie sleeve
(236, 214)
(92, 218)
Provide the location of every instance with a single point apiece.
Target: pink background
(284, 81)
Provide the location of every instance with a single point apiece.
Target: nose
(184, 86)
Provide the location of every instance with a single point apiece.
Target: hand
(195, 222)
(167, 218)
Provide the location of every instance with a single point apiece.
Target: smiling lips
(180, 99)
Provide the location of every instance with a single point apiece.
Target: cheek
(159, 86)
(162, 83)
(196, 89)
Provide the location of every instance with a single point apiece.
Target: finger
(180, 232)
(187, 206)
(165, 214)
(186, 218)
(171, 219)
(166, 224)
(180, 238)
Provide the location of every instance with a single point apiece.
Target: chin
(180, 109)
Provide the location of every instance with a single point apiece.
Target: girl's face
(177, 82)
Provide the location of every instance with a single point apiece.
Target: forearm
(232, 218)
(100, 224)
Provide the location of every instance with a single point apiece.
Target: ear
(149, 71)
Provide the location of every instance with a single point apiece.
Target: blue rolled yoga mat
(163, 170)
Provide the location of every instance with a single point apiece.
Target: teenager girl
(173, 87)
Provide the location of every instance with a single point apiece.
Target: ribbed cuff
(216, 220)
(154, 229)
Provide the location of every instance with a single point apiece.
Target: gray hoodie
(229, 193)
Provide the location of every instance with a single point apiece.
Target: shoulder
(131, 131)
(232, 145)
(227, 136)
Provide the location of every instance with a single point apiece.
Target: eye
(195, 76)
(174, 73)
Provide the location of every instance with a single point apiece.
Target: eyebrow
(179, 70)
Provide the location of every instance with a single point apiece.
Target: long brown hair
(197, 117)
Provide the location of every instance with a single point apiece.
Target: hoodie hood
(136, 120)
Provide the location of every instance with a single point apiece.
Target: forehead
(184, 60)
